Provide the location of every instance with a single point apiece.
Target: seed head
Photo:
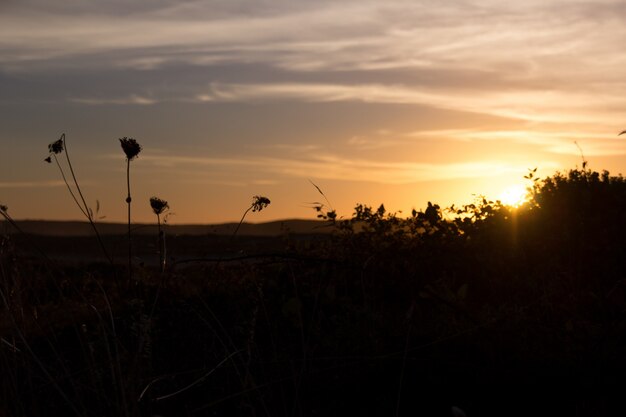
(158, 205)
(48, 160)
(56, 147)
(259, 202)
(3, 208)
(130, 147)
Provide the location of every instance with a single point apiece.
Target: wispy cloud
(371, 36)
(533, 105)
(132, 100)
(560, 141)
(334, 167)
(536, 61)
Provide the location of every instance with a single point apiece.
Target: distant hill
(77, 228)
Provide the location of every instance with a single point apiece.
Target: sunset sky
(395, 102)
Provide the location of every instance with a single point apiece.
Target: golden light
(514, 195)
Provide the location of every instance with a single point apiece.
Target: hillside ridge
(81, 228)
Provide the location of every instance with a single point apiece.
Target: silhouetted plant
(131, 149)
(159, 206)
(4, 213)
(258, 204)
(323, 213)
(582, 155)
(55, 148)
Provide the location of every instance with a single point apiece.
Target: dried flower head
(158, 205)
(48, 160)
(130, 147)
(56, 147)
(3, 208)
(259, 202)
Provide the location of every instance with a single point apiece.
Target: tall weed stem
(55, 148)
(131, 149)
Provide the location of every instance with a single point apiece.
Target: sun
(514, 195)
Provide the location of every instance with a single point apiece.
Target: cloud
(333, 167)
(369, 35)
(542, 62)
(132, 99)
(559, 142)
(534, 105)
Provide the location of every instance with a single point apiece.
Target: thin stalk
(69, 163)
(258, 204)
(241, 221)
(131, 148)
(164, 250)
(84, 210)
(161, 243)
(70, 188)
(582, 155)
(129, 200)
(186, 388)
(323, 195)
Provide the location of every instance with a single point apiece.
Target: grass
(478, 307)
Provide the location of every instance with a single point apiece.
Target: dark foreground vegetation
(495, 310)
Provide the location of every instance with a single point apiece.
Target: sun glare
(513, 196)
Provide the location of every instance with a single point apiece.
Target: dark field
(497, 311)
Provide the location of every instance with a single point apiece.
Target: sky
(395, 102)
